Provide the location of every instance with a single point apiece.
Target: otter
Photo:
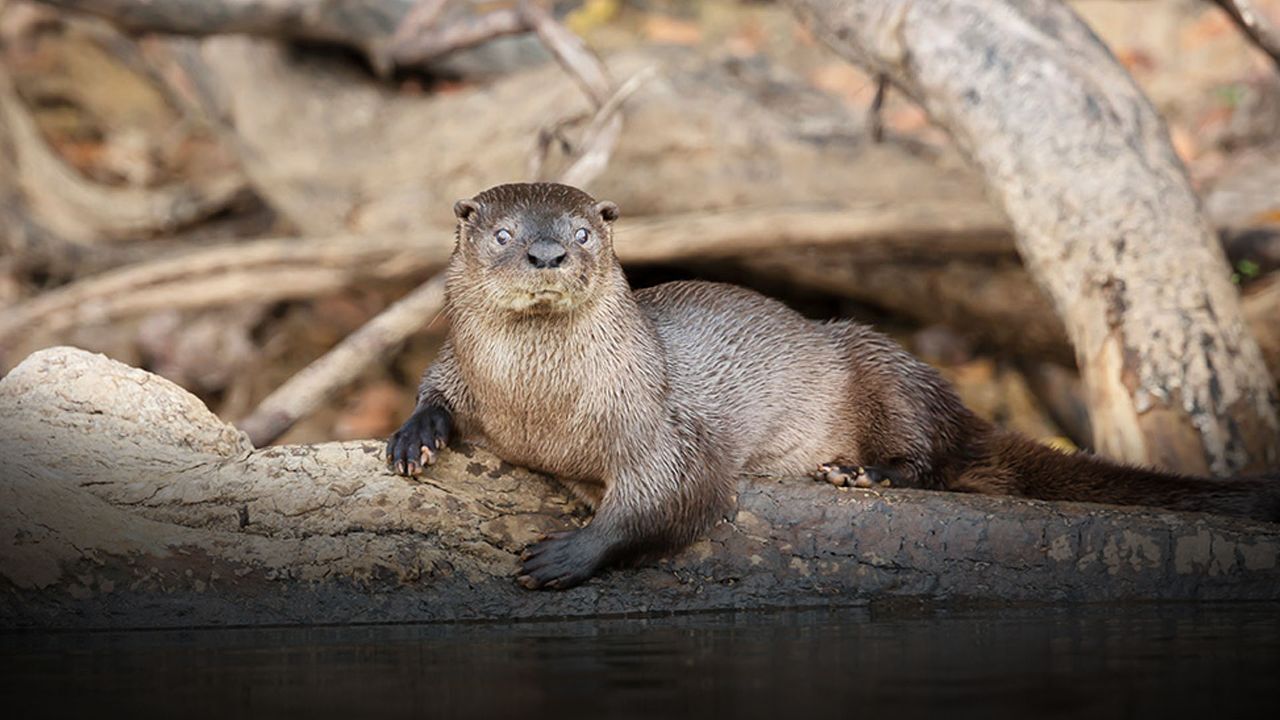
(649, 405)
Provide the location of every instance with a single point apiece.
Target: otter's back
(767, 379)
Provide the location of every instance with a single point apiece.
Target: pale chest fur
(556, 401)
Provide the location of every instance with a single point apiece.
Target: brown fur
(650, 404)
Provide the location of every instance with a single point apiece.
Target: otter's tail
(1019, 466)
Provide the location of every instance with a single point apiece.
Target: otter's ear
(607, 211)
(466, 209)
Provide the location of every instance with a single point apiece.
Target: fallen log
(124, 502)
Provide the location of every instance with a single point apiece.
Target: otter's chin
(541, 301)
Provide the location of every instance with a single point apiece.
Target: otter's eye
(581, 235)
(503, 236)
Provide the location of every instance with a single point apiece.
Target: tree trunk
(1105, 218)
(125, 502)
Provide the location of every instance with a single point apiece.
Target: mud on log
(125, 502)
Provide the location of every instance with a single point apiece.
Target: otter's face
(534, 254)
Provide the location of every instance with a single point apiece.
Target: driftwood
(125, 502)
(1106, 220)
(421, 38)
(333, 151)
(406, 33)
(362, 24)
(990, 297)
(360, 162)
(83, 211)
(389, 33)
(338, 368)
(296, 268)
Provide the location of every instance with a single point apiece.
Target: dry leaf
(1136, 60)
(664, 29)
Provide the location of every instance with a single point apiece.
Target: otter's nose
(546, 254)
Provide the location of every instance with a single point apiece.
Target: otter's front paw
(416, 443)
(559, 561)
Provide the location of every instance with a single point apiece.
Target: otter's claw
(417, 442)
(853, 475)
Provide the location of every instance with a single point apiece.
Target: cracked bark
(125, 502)
(1105, 218)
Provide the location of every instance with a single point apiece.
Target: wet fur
(651, 404)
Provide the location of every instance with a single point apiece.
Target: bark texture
(125, 502)
(1105, 218)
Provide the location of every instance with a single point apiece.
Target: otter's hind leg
(861, 476)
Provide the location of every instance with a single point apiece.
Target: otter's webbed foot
(415, 444)
(561, 560)
(862, 476)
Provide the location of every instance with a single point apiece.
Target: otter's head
(533, 247)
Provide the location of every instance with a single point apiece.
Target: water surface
(1094, 661)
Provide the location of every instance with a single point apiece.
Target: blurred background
(228, 192)
(224, 208)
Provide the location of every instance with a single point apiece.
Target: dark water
(1204, 661)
